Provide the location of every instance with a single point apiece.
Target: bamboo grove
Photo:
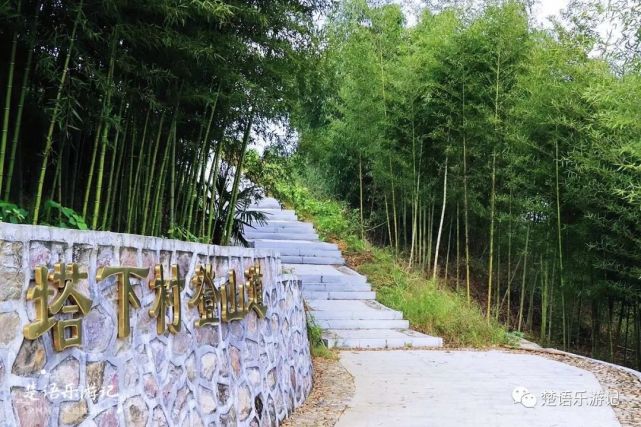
(133, 116)
(493, 152)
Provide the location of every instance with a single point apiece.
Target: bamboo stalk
(105, 134)
(491, 256)
(530, 308)
(94, 156)
(172, 188)
(54, 116)
(544, 300)
(551, 301)
(156, 209)
(525, 255)
(203, 171)
(102, 124)
(447, 254)
(112, 176)
(509, 262)
(77, 155)
(18, 119)
(211, 226)
(101, 163)
(637, 327)
(7, 101)
(627, 331)
(221, 205)
(458, 241)
(133, 179)
(360, 181)
(188, 204)
(234, 194)
(419, 234)
(415, 198)
(558, 229)
(394, 209)
(115, 177)
(147, 186)
(389, 225)
(497, 294)
(440, 227)
(425, 259)
(466, 207)
(193, 173)
(133, 209)
(130, 188)
(101, 170)
(430, 234)
(56, 176)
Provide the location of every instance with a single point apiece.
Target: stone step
(354, 315)
(266, 203)
(378, 338)
(301, 246)
(330, 295)
(324, 273)
(259, 235)
(282, 227)
(363, 323)
(303, 252)
(327, 287)
(276, 214)
(316, 260)
(350, 309)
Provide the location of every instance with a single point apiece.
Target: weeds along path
(340, 300)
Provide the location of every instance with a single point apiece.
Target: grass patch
(431, 309)
(334, 221)
(316, 345)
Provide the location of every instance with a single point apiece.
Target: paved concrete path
(466, 388)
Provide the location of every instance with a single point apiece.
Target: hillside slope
(429, 305)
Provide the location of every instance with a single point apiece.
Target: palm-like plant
(242, 217)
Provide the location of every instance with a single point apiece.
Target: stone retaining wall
(247, 372)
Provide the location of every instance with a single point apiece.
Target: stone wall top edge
(26, 233)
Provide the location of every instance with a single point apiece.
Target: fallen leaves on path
(332, 391)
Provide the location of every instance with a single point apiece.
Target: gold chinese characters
(60, 307)
(67, 332)
(234, 304)
(167, 295)
(206, 296)
(126, 294)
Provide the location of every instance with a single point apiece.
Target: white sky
(610, 30)
(543, 9)
(547, 8)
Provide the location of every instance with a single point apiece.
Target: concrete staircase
(339, 299)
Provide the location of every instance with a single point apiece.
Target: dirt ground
(333, 389)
